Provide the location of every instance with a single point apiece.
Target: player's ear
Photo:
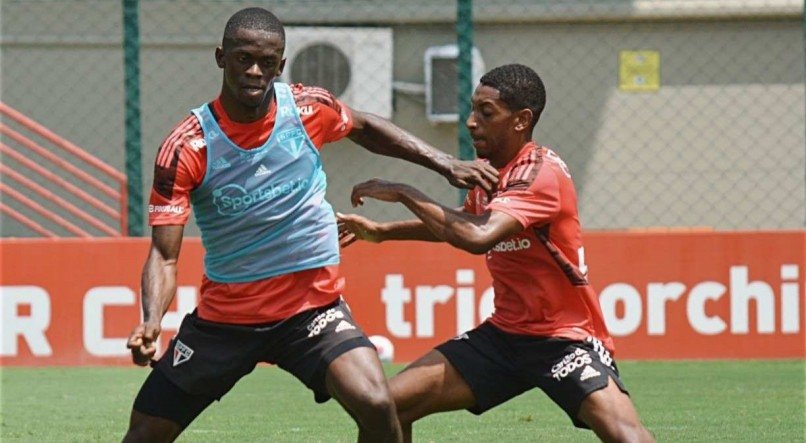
(523, 120)
(219, 57)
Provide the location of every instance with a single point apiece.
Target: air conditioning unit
(355, 64)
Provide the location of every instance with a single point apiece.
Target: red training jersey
(540, 285)
(180, 167)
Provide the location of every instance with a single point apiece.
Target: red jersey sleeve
(178, 169)
(326, 119)
(470, 201)
(531, 194)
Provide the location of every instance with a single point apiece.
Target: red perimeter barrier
(664, 295)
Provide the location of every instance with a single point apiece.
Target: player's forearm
(406, 230)
(460, 229)
(158, 286)
(381, 136)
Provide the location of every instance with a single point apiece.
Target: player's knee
(625, 431)
(376, 416)
(143, 428)
(143, 433)
(378, 402)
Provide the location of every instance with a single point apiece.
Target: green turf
(753, 401)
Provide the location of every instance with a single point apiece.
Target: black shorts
(499, 366)
(205, 359)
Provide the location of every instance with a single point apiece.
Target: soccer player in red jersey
(547, 330)
(248, 163)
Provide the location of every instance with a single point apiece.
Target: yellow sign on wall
(639, 71)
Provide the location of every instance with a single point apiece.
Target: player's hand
(143, 343)
(378, 189)
(355, 227)
(472, 173)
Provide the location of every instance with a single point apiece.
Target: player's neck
(508, 153)
(241, 113)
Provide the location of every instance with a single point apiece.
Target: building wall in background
(722, 143)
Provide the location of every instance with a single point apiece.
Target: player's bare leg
(429, 385)
(356, 380)
(612, 416)
(145, 428)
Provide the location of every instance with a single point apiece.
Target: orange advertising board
(664, 295)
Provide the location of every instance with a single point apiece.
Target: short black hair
(520, 88)
(252, 18)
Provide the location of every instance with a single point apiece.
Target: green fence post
(131, 60)
(464, 69)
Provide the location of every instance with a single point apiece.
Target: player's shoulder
(187, 131)
(527, 168)
(186, 136)
(305, 95)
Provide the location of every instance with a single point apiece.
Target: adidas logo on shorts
(343, 326)
(588, 372)
(322, 320)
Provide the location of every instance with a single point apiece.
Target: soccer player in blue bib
(248, 164)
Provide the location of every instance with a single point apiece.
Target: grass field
(753, 401)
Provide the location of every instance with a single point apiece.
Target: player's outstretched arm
(381, 136)
(354, 227)
(158, 286)
(476, 234)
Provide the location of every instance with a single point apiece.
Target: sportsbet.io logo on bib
(234, 199)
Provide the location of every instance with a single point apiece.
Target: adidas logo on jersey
(343, 326)
(221, 163)
(182, 353)
(262, 170)
(588, 372)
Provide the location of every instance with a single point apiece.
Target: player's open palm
(354, 227)
(143, 343)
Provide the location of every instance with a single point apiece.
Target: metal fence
(669, 113)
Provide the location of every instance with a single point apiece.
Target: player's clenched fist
(143, 343)
(471, 173)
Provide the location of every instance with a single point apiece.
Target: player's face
(490, 123)
(251, 62)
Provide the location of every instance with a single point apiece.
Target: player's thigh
(207, 358)
(356, 380)
(430, 384)
(484, 361)
(608, 408)
(571, 371)
(316, 339)
(162, 410)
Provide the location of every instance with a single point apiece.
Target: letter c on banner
(94, 301)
